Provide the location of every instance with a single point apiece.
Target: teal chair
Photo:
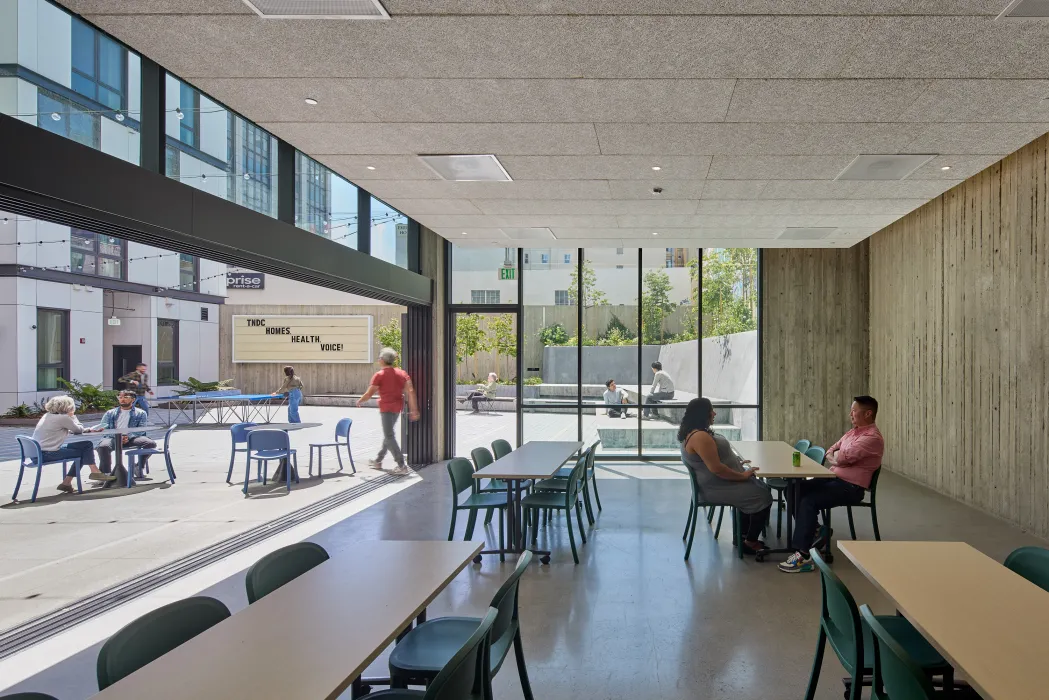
(699, 501)
(28, 696)
(816, 454)
(462, 475)
(567, 500)
(559, 482)
(423, 652)
(155, 634)
(1032, 563)
(466, 676)
(501, 448)
(851, 641)
(897, 676)
(281, 566)
(872, 504)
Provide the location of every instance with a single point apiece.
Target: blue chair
(33, 457)
(137, 453)
(342, 430)
(264, 446)
(239, 433)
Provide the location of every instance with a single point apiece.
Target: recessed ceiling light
(946, 167)
(370, 167)
(655, 233)
(464, 233)
(656, 167)
(310, 101)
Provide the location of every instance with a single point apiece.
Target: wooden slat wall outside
(262, 378)
(959, 325)
(815, 340)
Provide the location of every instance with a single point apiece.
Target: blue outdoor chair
(33, 457)
(239, 433)
(265, 446)
(342, 430)
(137, 453)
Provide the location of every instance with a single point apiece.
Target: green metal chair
(281, 566)
(568, 500)
(155, 634)
(1032, 563)
(896, 674)
(466, 676)
(699, 501)
(872, 504)
(461, 473)
(501, 448)
(851, 641)
(482, 458)
(423, 652)
(560, 483)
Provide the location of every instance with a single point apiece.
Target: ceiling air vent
(1026, 9)
(528, 234)
(318, 9)
(883, 167)
(805, 234)
(484, 168)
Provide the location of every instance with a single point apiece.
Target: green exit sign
(507, 273)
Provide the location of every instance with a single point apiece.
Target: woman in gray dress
(721, 475)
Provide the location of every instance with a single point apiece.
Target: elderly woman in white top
(51, 432)
(484, 390)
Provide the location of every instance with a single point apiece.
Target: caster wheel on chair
(477, 559)
(545, 559)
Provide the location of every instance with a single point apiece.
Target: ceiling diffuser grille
(883, 167)
(1026, 9)
(318, 9)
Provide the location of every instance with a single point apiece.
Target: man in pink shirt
(853, 459)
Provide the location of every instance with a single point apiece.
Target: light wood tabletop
(313, 636)
(773, 459)
(533, 460)
(989, 622)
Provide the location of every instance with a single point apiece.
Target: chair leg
(488, 516)
(874, 521)
(692, 531)
(579, 519)
(36, 486)
(79, 485)
(349, 453)
(597, 496)
(526, 687)
(721, 515)
(470, 522)
(535, 526)
(571, 537)
(232, 458)
(247, 477)
(320, 462)
(817, 664)
(688, 522)
(852, 525)
(586, 503)
(710, 514)
(338, 456)
(502, 547)
(779, 514)
(310, 466)
(18, 482)
(451, 528)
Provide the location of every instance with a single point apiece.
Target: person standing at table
(51, 432)
(139, 383)
(392, 384)
(662, 389)
(292, 386)
(722, 477)
(126, 415)
(853, 459)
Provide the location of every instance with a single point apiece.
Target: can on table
(795, 459)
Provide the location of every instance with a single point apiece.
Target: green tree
(389, 336)
(504, 335)
(655, 307)
(591, 295)
(470, 338)
(730, 297)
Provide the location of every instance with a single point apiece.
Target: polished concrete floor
(633, 620)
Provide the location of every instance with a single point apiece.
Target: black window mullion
(640, 345)
(520, 345)
(580, 303)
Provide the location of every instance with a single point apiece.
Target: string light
(119, 117)
(179, 114)
(55, 116)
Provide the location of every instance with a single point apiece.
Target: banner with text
(302, 339)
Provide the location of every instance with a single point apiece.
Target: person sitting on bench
(484, 391)
(613, 396)
(662, 389)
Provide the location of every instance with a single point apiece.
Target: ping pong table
(220, 407)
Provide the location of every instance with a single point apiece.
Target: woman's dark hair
(289, 371)
(697, 417)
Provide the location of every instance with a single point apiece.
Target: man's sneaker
(400, 470)
(375, 464)
(797, 564)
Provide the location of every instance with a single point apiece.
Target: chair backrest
(342, 429)
(874, 482)
(239, 431)
(816, 454)
(1032, 563)
(505, 601)
(28, 696)
(591, 455)
(155, 634)
(467, 674)
(461, 473)
(32, 453)
(575, 481)
(840, 617)
(281, 566)
(896, 675)
(268, 440)
(481, 457)
(501, 448)
(802, 445)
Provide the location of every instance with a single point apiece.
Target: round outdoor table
(123, 478)
(278, 475)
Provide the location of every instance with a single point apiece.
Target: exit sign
(507, 273)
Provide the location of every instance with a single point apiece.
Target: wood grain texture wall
(814, 306)
(262, 378)
(959, 329)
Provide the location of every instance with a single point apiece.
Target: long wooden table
(537, 459)
(311, 638)
(986, 620)
(774, 460)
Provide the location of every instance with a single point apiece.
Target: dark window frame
(63, 366)
(99, 40)
(166, 370)
(98, 254)
(189, 124)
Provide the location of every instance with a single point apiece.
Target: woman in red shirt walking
(392, 384)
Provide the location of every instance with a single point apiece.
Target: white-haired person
(392, 384)
(484, 390)
(51, 432)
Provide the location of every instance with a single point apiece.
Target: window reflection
(389, 239)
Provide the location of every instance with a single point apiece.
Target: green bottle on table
(795, 459)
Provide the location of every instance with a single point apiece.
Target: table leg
(791, 498)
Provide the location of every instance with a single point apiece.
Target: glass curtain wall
(325, 203)
(389, 234)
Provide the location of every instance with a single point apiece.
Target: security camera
(657, 190)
